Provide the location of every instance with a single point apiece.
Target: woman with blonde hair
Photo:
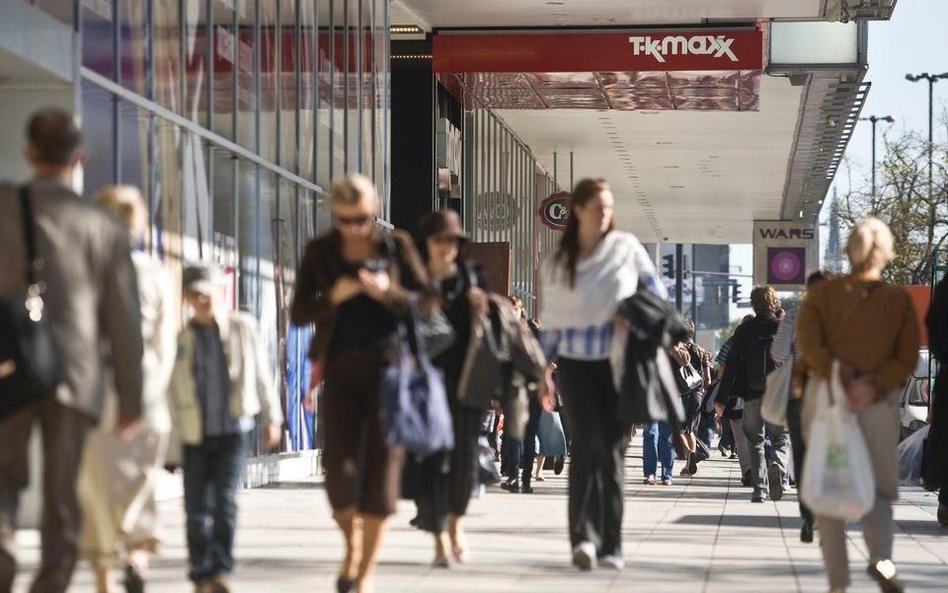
(117, 479)
(869, 326)
(356, 285)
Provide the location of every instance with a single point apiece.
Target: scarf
(603, 280)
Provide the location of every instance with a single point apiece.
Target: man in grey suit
(92, 302)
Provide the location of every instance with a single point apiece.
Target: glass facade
(232, 116)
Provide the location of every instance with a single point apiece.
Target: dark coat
(648, 392)
(935, 467)
(322, 265)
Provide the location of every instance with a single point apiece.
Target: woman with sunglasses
(447, 480)
(355, 285)
(594, 270)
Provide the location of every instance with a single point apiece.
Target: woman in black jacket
(446, 480)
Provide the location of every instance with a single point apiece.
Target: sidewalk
(700, 535)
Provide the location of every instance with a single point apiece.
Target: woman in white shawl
(117, 481)
(594, 270)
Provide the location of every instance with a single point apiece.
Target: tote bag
(777, 395)
(415, 408)
(837, 477)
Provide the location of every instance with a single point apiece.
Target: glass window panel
(268, 309)
(168, 216)
(224, 214)
(307, 99)
(98, 41)
(248, 234)
(98, 128)
(133, 157)
(288, 81)
(325, 70)
(197, 230)
(225, 52)
(247, 47)
(132, 45)
(195, 60)
(167, 63)
(338, 55)
(268, 79)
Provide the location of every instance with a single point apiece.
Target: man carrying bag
(86, 284)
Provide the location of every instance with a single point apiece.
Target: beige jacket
(252, 390)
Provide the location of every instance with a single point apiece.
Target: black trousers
(794, 407)
(596, 473)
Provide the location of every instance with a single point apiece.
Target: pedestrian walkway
(700, 535)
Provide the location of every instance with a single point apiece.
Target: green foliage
(917, 217)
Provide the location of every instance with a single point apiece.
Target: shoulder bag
(29, 368)
(415, 410)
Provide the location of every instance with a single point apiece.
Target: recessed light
(671, 166)
(677, 187)
(664, 142)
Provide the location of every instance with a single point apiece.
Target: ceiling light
(664, 142)
(406, 30)
(677, 187)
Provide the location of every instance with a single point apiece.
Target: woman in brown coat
(870, 327)
(355, 285)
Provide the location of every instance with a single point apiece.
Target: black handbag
(29, 368)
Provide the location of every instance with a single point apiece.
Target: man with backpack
(748, 364)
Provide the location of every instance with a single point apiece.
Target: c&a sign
(554, 211)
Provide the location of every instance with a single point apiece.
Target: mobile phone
(376, 265)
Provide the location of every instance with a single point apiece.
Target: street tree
(917, 216)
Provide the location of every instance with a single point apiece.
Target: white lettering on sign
(699, 45)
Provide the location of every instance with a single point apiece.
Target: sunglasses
(353, 220)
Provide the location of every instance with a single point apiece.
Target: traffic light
(668, 266)
(735, 293)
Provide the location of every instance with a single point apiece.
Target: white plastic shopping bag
(837, 478)
(777, 394)
(910, 457)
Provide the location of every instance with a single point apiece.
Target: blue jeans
(212, 472)
(657, 445)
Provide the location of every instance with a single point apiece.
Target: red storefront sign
(554, 211)
(631, 51)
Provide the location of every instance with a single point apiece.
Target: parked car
(913, 401)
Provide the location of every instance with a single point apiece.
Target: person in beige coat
(92, 301)
(221, 380)
(117, 479)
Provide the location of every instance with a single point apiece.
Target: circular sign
(786, 266)
(554, 211)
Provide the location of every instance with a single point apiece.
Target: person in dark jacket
(937, 322)
(355, 285)
(446, 479)
(748, 364)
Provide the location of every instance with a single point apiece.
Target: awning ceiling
(693, 156)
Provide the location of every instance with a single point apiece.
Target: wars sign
(785, 253)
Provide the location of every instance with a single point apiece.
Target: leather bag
(29, 367)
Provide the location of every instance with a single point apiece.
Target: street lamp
(932, 79)
(874, 120)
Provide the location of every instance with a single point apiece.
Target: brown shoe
(943, 514)
(219, 584)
